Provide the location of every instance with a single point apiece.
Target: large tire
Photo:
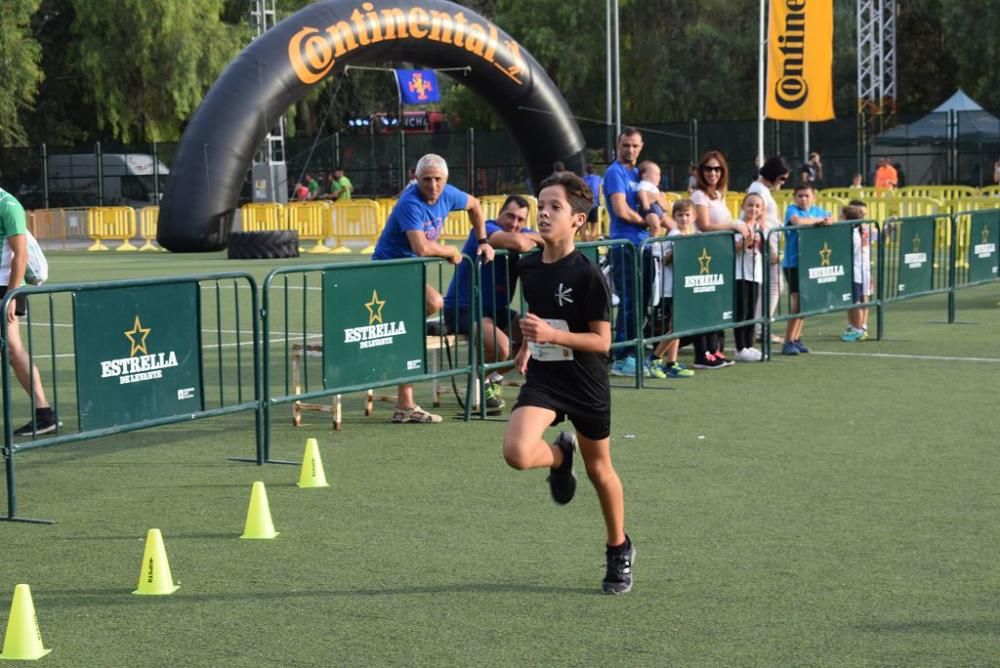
(263, 245)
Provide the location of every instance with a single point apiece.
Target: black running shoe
(44, 423)
(562, 481)
(618, 578)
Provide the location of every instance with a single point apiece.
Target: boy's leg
(523, 446)
(597, 458)
(433, 301)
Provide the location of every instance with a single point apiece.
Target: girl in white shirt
(749, 275)
(773, 174)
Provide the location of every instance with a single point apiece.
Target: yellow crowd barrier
(456, 226)
(111, 223)
(58, 225)
(943, 193)
(148, 217)
(312, 220)
(263, 217)
(848, 193)
(356, 220)
(989, 191)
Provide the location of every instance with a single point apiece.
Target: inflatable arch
(277, 69)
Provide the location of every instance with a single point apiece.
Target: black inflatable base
(263, 245)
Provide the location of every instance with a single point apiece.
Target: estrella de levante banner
(800, 60)
(418, 86)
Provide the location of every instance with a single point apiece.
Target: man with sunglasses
(621, 187)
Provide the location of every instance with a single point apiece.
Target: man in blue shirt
(497, 281)
(414, 230)
(804, 213)
(621, 185)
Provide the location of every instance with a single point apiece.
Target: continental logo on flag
(800, 60)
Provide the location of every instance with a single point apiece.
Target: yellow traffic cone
(312, 474)
(154, 574)
(258, 524)
(23, 641)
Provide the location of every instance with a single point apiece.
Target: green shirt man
(341, 186)
(13, 228)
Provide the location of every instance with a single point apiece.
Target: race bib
(551, 352)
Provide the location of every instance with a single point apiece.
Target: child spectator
(857, 318)
(804, 213)
(772, 175)
(749, 274)
(664, 356)
(652, 203)
(567, 331)
(857, 182)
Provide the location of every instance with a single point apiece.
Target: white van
(128, 178)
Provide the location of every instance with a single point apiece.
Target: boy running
(568, 333)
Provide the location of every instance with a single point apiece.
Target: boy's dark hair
(803, 186)
(517, 200)
(681, 205)
(857, 202)
(590, 169)
(578, 194)
(773, 168)
(853, 212)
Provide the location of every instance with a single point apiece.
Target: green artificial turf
(832, 509)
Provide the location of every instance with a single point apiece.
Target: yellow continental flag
(800, 60)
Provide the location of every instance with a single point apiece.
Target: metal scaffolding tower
(876, 70)
(269, 172)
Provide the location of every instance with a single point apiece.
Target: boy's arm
(597, 340)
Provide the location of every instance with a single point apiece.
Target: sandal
(415, 414)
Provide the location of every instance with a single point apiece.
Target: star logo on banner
(986, 234)
(375, 308)
(703, 261)
(563, 295)
(824, 255)
(916, 243)
(137, 336)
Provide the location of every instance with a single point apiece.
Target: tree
(148, 63)
(20, 60)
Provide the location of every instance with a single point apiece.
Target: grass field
(834, 509)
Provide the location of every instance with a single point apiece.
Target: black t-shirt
(574, 291)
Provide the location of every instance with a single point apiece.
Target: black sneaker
(562, 481)
(44, 423)
(618, 578)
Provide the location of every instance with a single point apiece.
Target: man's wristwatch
(484, 240)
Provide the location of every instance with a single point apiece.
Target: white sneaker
(748, 355)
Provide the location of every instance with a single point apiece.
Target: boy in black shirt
(568, 334)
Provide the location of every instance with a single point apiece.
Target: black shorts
(792, 278)
(20, 302)
(595, 425)
(858, 292)
(458, 322)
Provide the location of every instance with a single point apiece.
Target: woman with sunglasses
(772, 175)
(712, 215)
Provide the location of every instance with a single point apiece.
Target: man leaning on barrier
(414, 230)
(498, 279)
(15, 260)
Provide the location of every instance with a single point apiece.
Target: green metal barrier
(133, 355)
(975, 260)
(703, 300)
(370, 332)
(916, 259)
(826, 270)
